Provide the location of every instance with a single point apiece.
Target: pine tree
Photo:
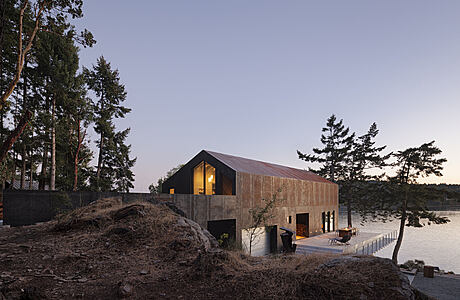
(409, 198)
(363, 156)
(105, 82)
(122, 163)
(337, 144)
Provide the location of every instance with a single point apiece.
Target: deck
(363, 243)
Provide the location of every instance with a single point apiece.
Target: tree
(105, 82)
(121, 163)
(260, 216)
(46, 14)
(363, 156)
(157, 189)
(411, 164)
(337, 144)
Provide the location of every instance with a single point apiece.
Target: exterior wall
(204, 208)
(296, 197)
(182, 180)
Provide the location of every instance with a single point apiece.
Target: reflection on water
(437, 245)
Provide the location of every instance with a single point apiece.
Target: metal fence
(378, 243)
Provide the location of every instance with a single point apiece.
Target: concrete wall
(29, 207)
(296, 197)
(204, 208)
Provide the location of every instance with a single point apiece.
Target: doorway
(302, 226)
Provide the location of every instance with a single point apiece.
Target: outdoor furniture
(348, 231)
(343, 241)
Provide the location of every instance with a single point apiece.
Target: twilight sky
(258, 79)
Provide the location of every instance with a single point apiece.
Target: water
(437, 245)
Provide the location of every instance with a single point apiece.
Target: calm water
(437, 245)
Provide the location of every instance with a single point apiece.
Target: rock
(125, 289)
(199, 234)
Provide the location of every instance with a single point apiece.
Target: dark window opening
(290, 220)
(227, 186)
(224, 231)
(323, 222)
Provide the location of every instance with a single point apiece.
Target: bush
(60, 203)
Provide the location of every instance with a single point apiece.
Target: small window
(171, 191)
(290, 219)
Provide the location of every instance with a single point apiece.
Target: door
(302, 225)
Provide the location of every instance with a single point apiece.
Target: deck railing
(378, 243)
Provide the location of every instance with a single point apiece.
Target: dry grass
(99, 251)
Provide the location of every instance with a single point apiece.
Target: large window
(204, 179)
(210, 179)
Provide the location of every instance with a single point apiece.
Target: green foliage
(223, 239)
(346, 160)
(337, 143)
(114, 163)
(50, 75)
(60, 203)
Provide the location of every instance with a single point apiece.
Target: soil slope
(147, 251)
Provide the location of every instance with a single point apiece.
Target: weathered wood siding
(296, 197)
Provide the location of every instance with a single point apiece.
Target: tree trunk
(14, 135)
(23, 168)
(349, 212)
(31, 174)
(80, 139)
(99, 161)
(402, 225)
(13, 171)
(2, 26)
(22, 52)
(43, 172)
(53, 146)
(24, 108)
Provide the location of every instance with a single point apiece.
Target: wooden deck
(363, 243)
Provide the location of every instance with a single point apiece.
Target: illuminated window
(198, 179)
(210, 180)
(171, 191)
(204, 179)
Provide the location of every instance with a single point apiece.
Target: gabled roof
(245, 165)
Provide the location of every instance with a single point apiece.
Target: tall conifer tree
(337, 143)
(105, 82)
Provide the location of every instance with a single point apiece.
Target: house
(218, 190)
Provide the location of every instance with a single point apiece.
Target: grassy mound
(110, 250)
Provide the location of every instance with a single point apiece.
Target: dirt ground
(145, 251)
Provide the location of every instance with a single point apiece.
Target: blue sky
(258, 79)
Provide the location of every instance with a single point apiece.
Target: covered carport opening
(223, 230)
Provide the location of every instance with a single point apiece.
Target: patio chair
(342, 241)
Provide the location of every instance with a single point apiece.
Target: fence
(30, 207)
(377, 244)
